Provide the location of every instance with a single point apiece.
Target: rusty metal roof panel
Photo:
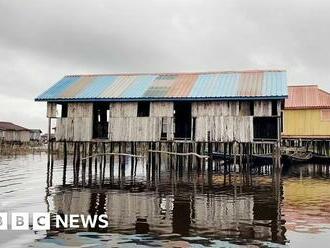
(182, 85)
(96, 87)
(212, 85)
(250, 84)
(307, 97)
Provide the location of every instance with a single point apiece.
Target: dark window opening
(246, 108)
(182, 119)
(164, 129)
(143, 109)
(265, 128)
(251, 105)
(194, 128)
(100, 120)
(274, 108)
(64, 110)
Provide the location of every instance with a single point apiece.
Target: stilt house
(307, 113)
(242, 106)
(10, 132)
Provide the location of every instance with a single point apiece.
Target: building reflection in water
(228, 202)
(307, 198)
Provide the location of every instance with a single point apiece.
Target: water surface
(184, 208)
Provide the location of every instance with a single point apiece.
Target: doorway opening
(100, 120)
(182, 120)
(265, 128)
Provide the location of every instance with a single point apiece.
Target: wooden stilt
(64, 161)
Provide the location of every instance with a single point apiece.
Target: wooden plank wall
(215, 121)
(51, 110)
(263, 108)
(124, 125)
(224, 128)
(224, 108)
(225, 121)
(22, 136)
(78, 126)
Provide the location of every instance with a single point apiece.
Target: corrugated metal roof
(165, 86)
(307, 96)
(8, 126)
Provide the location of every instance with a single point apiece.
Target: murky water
(184, 209)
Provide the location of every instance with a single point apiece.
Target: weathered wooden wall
(124, 125)
(222, 121)
(51, 110)
(224, 128)
(78, 126)
(263, 108)
(223, 108)
(34, 135)
(19, 136)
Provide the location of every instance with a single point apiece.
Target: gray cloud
(42, 40)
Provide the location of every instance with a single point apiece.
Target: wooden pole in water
(132, 160)
(104, 162)
(95, 164)
(78, 163)
(52, 163)
(210, 161)
(111, 162)
(90, 163)
(48, 153)
(49, 137)
(119, 160)
(83, 163)
(135, 164)
(74, 162)
(64, 161)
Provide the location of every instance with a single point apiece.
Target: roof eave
(160, 99)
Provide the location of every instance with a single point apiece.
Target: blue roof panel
(96, 87)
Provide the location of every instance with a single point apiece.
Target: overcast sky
(41, 41)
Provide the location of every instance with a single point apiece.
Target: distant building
(307, 113)
(10, 132)
(35, 134)
(242, 106)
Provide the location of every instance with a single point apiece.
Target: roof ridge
(174, 73)
(324, 91)
(304, 85)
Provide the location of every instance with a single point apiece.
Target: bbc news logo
(41, 221)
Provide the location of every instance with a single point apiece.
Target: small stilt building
(13, 133)
(307, 113)
(307, 118)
